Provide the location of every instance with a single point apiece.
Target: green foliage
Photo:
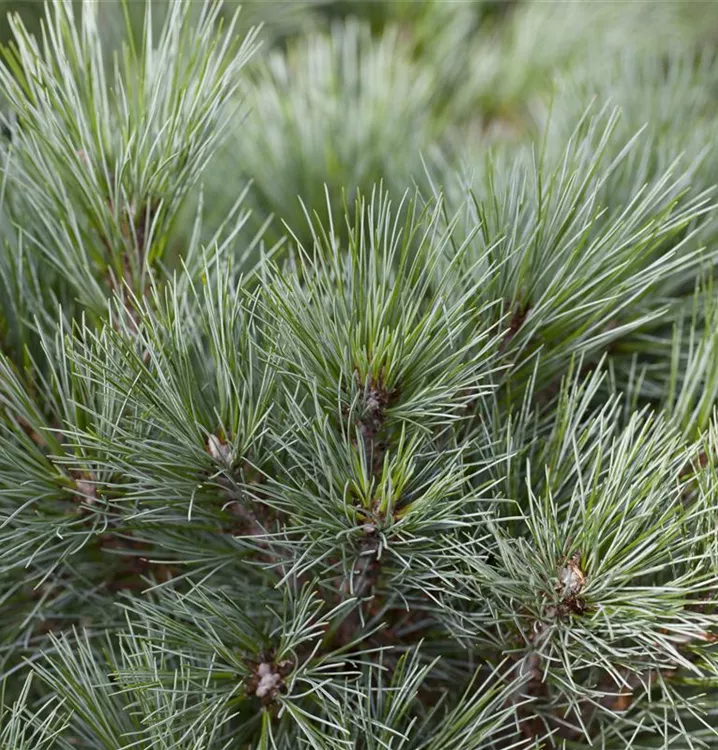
(101, 163)
(358, 392)
(343, 110)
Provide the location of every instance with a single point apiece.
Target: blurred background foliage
(347, 93)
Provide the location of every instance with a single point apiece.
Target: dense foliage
(358, 374)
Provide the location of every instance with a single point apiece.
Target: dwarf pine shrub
(358, 376)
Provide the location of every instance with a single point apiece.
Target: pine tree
(358, 377)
